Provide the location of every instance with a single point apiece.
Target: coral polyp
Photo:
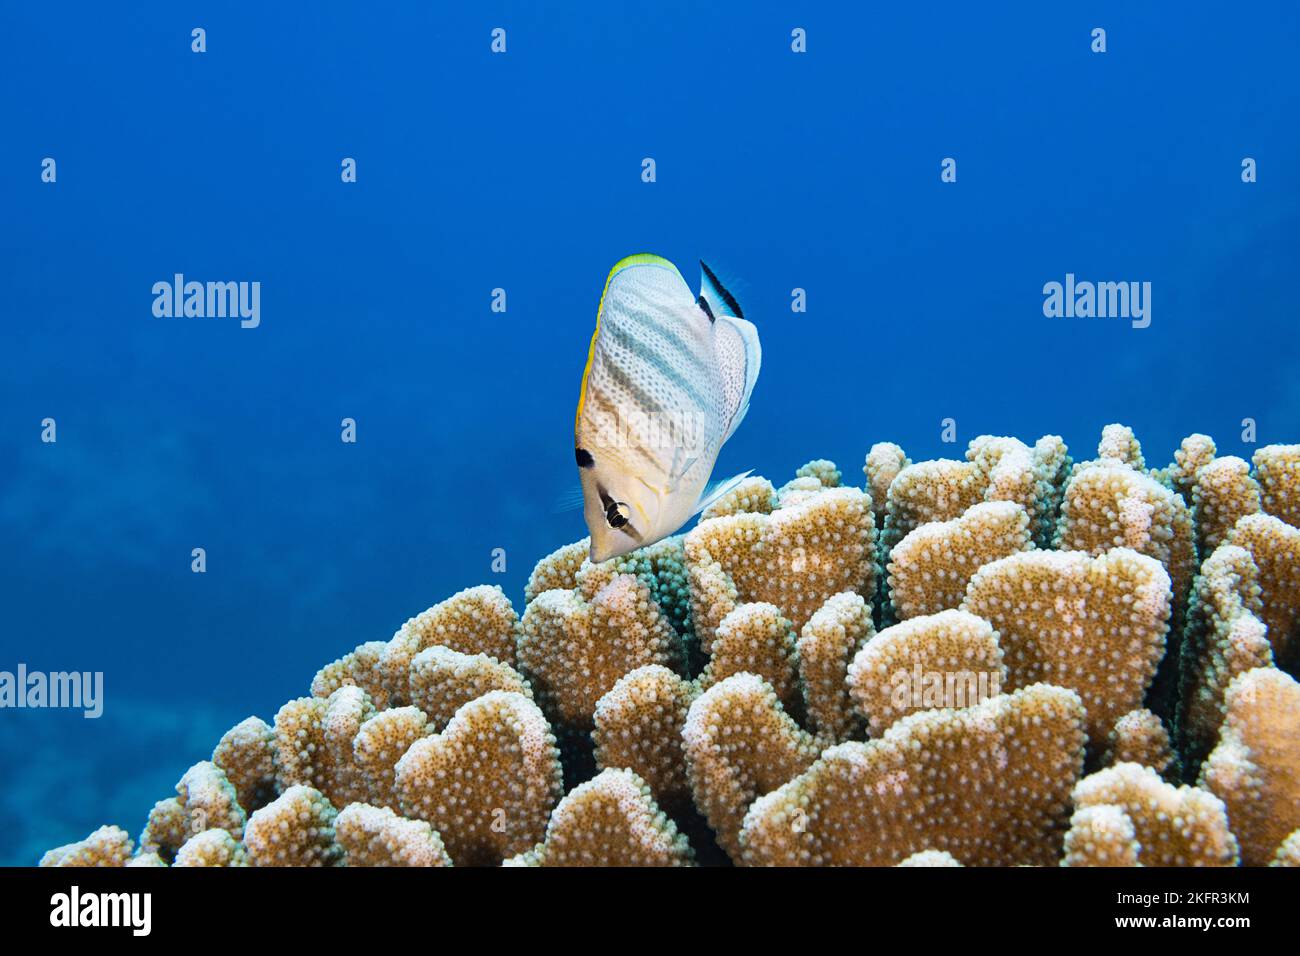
(1010, 659)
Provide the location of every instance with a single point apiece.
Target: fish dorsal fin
(716, 489)
(714, 293)
(739, 359)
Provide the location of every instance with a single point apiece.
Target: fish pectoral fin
(716, 489)
(570, 500)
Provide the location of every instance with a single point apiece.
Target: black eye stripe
(614, 513)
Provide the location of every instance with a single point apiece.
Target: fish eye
(617, 514)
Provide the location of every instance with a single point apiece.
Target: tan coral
(740, 743)
(380, 743)
(574, 650)
(1274, 546)
(1101, 835)
(347, 709)
(1174, 826)
(442, 680)
(477, 620)
(209, 800)
(246, 753)
(294, 829)
(754, 494)
(798, 490)
(1288, 854)
(1224, 638)
(558, 570)
(107, 846)
(884, 461)
(488, 782)
(146, 859)
(611, 820)
(1255, 769)
(1008, 470)
(313, 743)
(1110, 505)
(1277, 468)
(1222, 492)
(1139, 737)
(1095, 625)
(166, 829)
(989, 784)
(661, 567)
(360, 666)
(823, 470)
(376, 836)
(756, 639)
(928, 858)
(795, 558)
(949, 659)
(930, 568)
(1195, 452)
(638, 726)
(1052, 465)
(1118, 443)
(215, 847)
(297, 730)
(929, 491)
(830, 639)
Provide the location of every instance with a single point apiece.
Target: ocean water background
(523, 171)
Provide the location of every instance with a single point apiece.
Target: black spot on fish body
(584, 458)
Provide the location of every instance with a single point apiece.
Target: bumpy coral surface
(1095, 625)
(295, 829)
(1174, 826)
(949, 659)
(794, 559)
(830, 639)
(639, 725)
(740, 744)
(611, 820)
(1007, 659)
(487, 783)
(988, 784)
(930, 568)
(1255, 769)
(376, 836)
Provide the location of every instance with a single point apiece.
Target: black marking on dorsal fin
(727, 297)
(584, 458)
(704, 304)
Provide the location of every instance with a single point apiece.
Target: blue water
(522, 171)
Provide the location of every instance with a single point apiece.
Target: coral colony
(1013, 659)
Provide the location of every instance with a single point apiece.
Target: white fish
(667, 382)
